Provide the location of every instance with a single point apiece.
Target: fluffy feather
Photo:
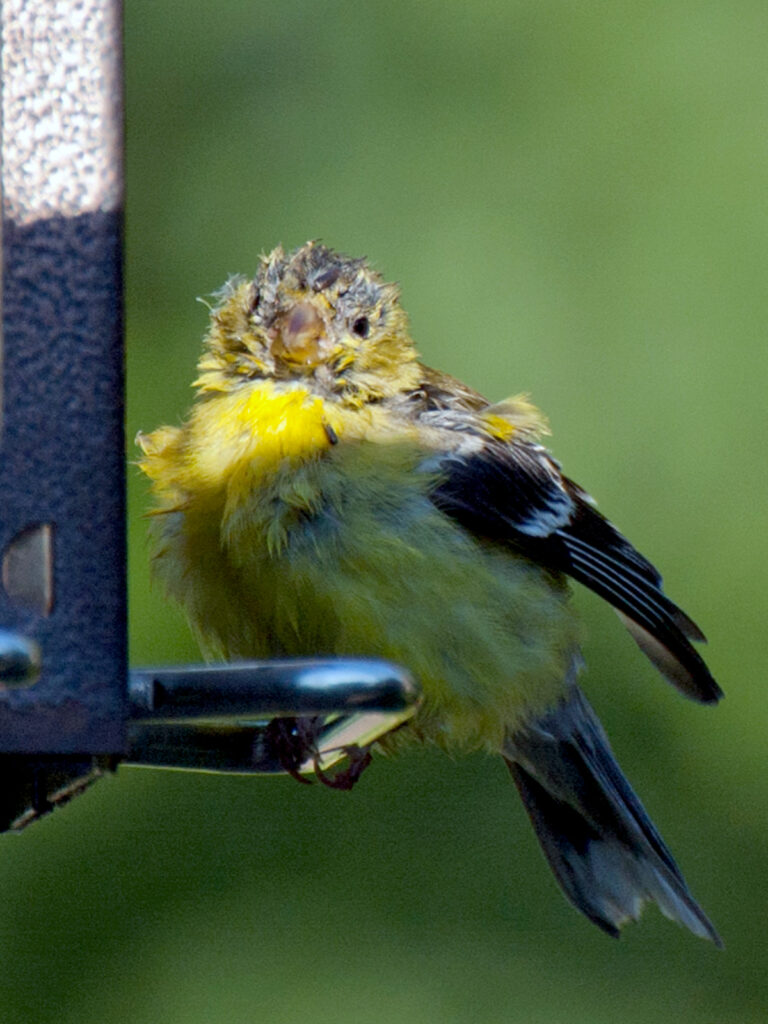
(329, 494)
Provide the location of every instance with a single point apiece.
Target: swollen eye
(361, 327)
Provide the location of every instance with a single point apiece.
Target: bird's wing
(510, 489)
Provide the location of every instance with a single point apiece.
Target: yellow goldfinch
(329, 494)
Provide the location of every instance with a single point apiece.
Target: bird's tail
(600, 843)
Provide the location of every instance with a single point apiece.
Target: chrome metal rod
(255, 690)
(264, 717)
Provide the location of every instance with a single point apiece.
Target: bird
(329, 494)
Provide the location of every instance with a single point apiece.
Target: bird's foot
(294, 742)
(358, 759)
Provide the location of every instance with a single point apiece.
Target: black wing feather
(515, 494)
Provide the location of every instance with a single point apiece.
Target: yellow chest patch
(258, 428)
(235, 444)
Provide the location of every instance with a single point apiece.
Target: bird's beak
(301, 338)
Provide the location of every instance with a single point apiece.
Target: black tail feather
(601, 845)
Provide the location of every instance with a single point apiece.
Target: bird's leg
(294, 741)
(359, 758)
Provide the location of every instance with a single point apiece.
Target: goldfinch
(329, 494)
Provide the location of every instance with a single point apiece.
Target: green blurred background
(573, 198)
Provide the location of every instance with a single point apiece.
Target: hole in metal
(27, 569)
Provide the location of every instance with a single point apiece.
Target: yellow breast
(248, 432)
(260, 427)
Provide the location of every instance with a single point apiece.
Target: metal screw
(20, 660)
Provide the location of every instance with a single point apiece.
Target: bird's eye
(361, 327)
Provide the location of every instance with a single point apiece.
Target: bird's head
(313, 316)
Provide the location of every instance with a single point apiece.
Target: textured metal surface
(62, 109)
(61, 439)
